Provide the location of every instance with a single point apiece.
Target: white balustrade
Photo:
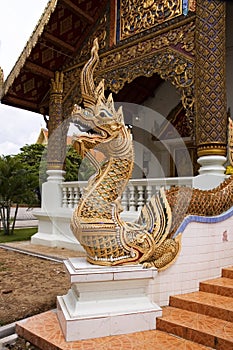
(132, 198)
(71, 193)
(137, 193)
(141, 198)
(124, 199)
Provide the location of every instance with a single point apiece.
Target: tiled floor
(44, 331)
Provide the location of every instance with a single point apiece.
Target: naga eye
(103, 115)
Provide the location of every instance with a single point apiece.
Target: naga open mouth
(84, 128)
(88, 131)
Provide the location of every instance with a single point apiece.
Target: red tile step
(43, 330)
(209, 304)
(222, 286)
(227, 272)
(209, 331)
(204, 317)
(193, 321)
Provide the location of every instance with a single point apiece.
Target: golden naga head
(98, 115)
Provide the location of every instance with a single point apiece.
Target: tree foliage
(77, 169)
(16, 187)
(33, 158)
(22, 175)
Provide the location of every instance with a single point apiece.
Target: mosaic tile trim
(204, 219)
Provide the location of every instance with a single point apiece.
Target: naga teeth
(111, 259)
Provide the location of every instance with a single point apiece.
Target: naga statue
(96, 221)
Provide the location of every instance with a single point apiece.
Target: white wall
(206, 249)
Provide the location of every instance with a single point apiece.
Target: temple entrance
(163, 139)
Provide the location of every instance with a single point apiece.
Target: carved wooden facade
(182, 41)
(158, 42)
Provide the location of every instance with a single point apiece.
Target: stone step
(209, 304)
(202, 329)
(222, 286)
(227, 272)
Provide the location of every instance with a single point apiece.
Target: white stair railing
(137, 193)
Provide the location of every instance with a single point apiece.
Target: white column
(211, 172)
(51, 190)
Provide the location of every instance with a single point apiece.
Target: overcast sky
(18, 19)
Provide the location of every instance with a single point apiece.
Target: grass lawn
(20, 234)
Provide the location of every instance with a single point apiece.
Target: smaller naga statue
(96, 221)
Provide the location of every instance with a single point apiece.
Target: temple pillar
(54, 220)
(57, 133)
(210, 93)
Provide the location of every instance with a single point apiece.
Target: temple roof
(55, 45)
(58, 35)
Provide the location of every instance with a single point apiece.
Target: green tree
(77, 169)
(73, 161)
(33, 159)
(16, 187)
(86, 170)
(21, 177)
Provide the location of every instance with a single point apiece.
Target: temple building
(169, 64)
(174, 58)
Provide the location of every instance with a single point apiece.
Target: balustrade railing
(137, 193)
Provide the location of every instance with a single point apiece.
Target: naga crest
(98, 115)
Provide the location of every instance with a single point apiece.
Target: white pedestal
(106, 301)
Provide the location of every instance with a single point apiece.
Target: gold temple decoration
(192, 5)
(229, 169)
(169, 65)
(56, 125)
(137, 16)
(210, 79)
(96, 222)
(169, 53)
(57, 85)
(179, 39)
